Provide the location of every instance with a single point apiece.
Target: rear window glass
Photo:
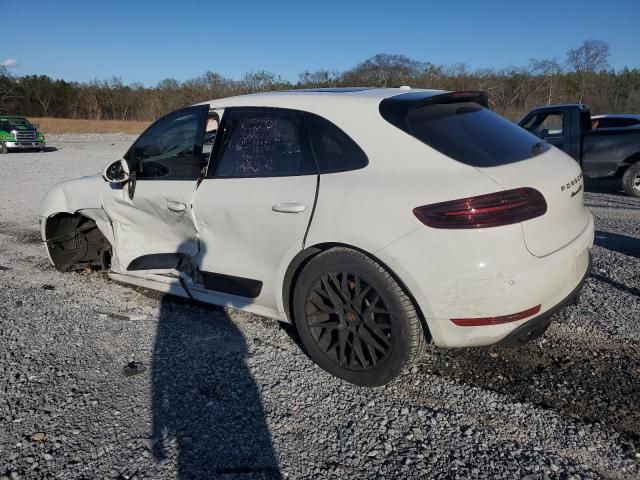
(472, 134)
(264, 143)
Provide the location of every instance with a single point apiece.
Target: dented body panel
(495, 274)
(145, 225)
(236, 216)
(73, 195)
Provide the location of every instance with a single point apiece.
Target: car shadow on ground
(591, 384)
(618, 243)
(206, 406)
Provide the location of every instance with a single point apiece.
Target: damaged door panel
(151, 216)
(255, 205)
(144, 227)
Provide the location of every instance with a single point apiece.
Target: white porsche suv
(374, 220)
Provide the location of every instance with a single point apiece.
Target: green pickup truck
(17, 133)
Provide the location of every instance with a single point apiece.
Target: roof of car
(314, 94)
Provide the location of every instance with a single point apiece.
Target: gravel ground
(101, 380)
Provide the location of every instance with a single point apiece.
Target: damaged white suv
(374, 220)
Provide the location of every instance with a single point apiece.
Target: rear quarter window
(471, 134)
(333, 149)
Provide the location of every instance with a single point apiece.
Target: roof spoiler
(395, 109)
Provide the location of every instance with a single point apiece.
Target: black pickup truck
(607, 152)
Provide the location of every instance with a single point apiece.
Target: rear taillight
(483, 211)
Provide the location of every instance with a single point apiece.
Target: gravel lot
(224, 394)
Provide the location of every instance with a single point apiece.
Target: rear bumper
(536, 327)
(484, 274)
(23, 145)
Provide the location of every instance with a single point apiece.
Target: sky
(147, 41)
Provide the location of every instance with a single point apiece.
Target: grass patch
(76, 125)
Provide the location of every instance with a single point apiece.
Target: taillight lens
(483, 211)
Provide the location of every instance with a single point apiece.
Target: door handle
(289, 207)
(177, 207)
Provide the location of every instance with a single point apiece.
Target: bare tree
(384, 70)
(39, 89)
(319, 79)
(584, 61)
(8, 88)
(546, 72)
(511, 91)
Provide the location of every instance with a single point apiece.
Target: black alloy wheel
(354, 319)
(349, 321)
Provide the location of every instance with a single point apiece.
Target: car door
(151, 215)
(255, 204)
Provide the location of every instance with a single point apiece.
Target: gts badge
(573, 183)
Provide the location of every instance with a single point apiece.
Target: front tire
(354, 319)
(3, 148)
(631, 180)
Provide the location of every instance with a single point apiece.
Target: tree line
(584, 76)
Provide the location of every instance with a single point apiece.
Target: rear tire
(354, 319)
(631, 180)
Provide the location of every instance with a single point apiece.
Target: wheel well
(632, 158)
(302, 258)
(75, 242)
(626, 163)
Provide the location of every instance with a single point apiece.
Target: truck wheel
(631, 180)
(354, 320)
(3, 148)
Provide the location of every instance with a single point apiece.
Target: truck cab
(610, 152)
(560, 125)
(17, 133)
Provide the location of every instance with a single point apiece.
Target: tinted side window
(551, 125)
(616, 122)
(333, 149)
(546, 124)
(170, 149)
(264, 143)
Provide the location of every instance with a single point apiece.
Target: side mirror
(116, 172)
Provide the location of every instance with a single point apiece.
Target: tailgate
(559, 178)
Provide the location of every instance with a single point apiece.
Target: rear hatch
(458, 125)
(559, 178)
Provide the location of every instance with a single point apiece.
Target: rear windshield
(472, 134)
